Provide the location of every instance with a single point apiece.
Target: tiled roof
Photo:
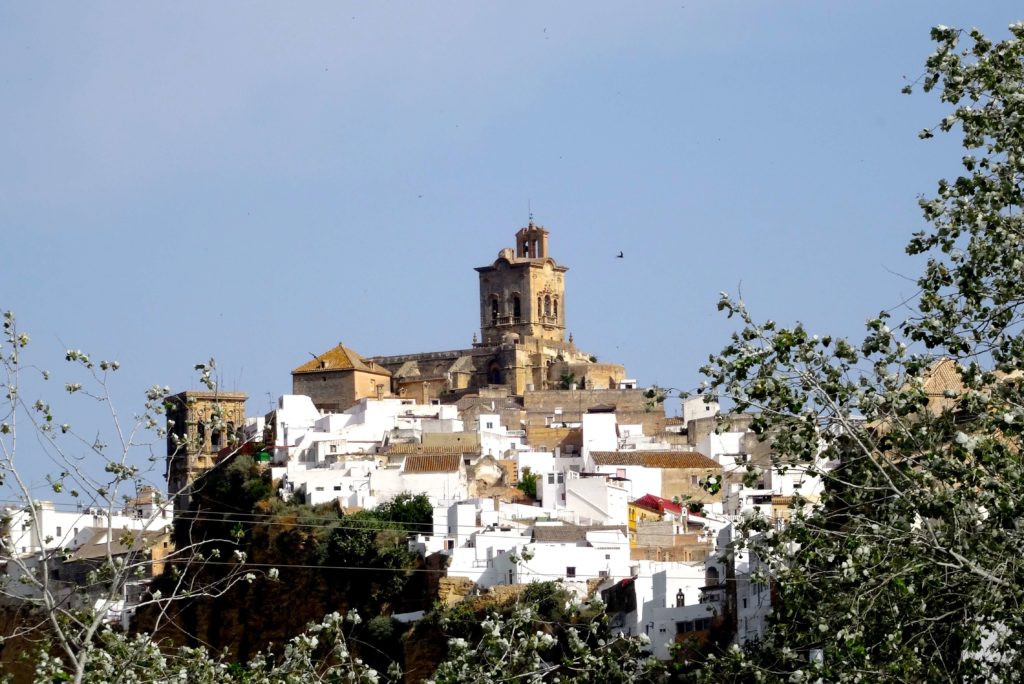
(569, 532)
(657, 503)
(654, 459)
(432, 463)
(96, 546)
(431, 449)
(339, 358)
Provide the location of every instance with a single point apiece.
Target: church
(522, 346)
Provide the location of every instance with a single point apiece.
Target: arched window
(711, 576)
(555, 301)
(539, 308)
(494, 310)
(547, 305)
(516, 308)
(494, 373)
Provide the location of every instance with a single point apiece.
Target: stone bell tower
(523, 291)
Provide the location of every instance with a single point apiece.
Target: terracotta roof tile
(432, 463)
(433, 449)
(654, 459)
(340, 358)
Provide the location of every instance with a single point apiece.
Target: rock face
(313, 581)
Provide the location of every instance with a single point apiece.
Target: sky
(255, 182)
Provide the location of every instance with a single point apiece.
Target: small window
(58, 531)
(602, 573)
(334, 448)
(551, 478)
(319, 489)
(337, 488)
(570, 571)
(561, 478)
(490, 425)
(695, 480)
(744, 603)
(607, 556)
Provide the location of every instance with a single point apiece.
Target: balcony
(499, 321)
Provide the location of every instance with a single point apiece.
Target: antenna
(529, 210)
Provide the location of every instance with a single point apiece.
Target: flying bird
(619, 256)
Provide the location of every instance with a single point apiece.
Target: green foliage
(413, 511)
(912, 566)
(528, 483)
(567, 380)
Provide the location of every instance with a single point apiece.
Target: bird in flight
(619, 256)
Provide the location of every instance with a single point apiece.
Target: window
(551, 478)
(699, 625)
(547, 305)
(337, 488)
(319, 489)
(744, 603)
(490, 425)
(695, 480)
(561, 478)
(494, 310)
(607, 556)
(570, 571)
(555, 302)
(58, 531)
(602, 573)
(516, 307)
(334, 448)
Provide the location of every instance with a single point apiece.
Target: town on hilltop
(539, 462)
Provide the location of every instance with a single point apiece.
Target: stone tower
(523, 291)
(200, 424)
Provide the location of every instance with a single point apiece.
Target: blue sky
(257, 181)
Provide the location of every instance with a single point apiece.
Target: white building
(44, 526)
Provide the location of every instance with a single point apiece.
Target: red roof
(660, 504)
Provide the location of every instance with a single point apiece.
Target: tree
(72, 597)
(912, 566)
(528, 483)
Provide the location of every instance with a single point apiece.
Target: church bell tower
(523, 291)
